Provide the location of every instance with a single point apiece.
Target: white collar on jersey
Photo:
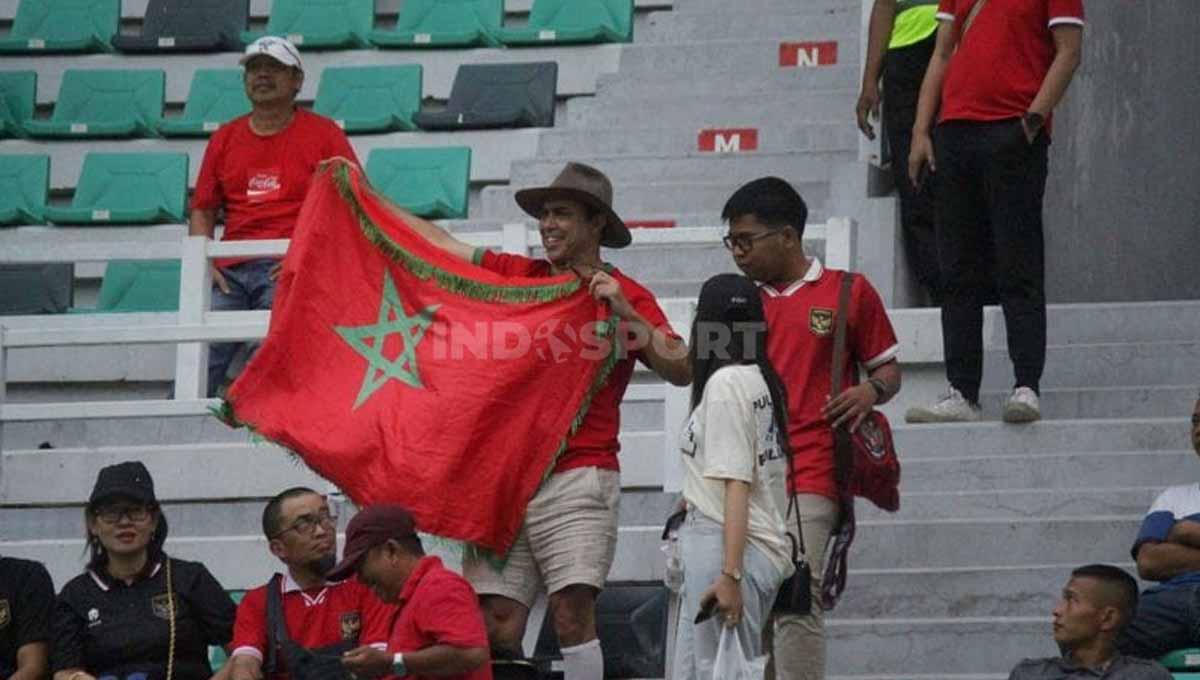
(815, 270)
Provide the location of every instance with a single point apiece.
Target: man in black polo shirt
(26, 602)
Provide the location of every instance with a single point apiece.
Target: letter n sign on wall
(807, 54)
(728, 140)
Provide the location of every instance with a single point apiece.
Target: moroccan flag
(404, 374)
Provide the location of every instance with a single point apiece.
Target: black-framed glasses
(1195, 419)
(746, 241)
(112, 514)
(305, 525)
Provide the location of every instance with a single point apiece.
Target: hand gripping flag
(403, 374)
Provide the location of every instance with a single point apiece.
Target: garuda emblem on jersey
(820, 321)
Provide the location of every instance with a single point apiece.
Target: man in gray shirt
(1096, 604)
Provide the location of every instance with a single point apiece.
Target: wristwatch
(880, 388)
(398, 667)
(736, 574)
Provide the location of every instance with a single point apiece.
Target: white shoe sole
(1021, 413)
(921, 415)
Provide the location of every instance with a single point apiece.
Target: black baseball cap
(729, 297)
(130, 479)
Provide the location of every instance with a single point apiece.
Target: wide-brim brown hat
(583, 183)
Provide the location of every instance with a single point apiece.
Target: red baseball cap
(372, 526)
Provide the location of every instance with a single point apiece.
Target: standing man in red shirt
(439, 629)
(800, 297)
(998, 70)
(257, 167)
(569, 536)
(319, 614)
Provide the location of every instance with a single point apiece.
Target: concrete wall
(1122, 205)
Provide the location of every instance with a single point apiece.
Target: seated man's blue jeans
(1166, 620)
(250, 287)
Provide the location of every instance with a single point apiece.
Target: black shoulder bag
(324, 663)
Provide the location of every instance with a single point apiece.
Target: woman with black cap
(733, 541)
(136, 614)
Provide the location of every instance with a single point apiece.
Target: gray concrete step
(699, 112)
(1105, 365)
(644, 508)
(760, 6)
(1104, 402)
(761, 56)
(971, 592)
(1043, 470)
(728, 81)
(634, 201)
(798, 138)
(693, 167)
(1000, 439)
(953, 647)
(798, 23)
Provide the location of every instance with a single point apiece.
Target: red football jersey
(439, 607)
(800, 326)
(345, 611)
(595, 443)
(1001, 61)
(261, 181)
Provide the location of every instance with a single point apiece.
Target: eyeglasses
(113, 514)
(1195, 419)
(305, 525)
(746, 241)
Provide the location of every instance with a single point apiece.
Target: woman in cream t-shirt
(734, 547)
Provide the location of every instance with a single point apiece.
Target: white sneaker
(1022, 406)
(951, 408)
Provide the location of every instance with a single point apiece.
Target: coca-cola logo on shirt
(264, 184)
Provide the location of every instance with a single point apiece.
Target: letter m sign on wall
(807, 54)
(728, 140)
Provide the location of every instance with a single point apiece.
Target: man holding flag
(569, 535)
(389, 368)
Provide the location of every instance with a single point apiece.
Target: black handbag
(795, 594)
(324, 663)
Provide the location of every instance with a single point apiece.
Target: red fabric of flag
(403, 374)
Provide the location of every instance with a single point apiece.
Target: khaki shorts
(569, 538)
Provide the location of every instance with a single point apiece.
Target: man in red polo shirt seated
(319, 614)
(999, 68)
(257, 167)
(439, 630)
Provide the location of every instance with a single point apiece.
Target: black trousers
(989, 192)
(903, 70)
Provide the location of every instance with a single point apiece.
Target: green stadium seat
(574, 21)
(370, 98)
(320, 24)
(433, 182)
(444, 23)
(138, 286)
(104, 103)
(18, 91)
(215, 97)
(1184, 664)
(127, 188)
(62, 26)
(24, 184)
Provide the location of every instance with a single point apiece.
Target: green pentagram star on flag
(380, 369)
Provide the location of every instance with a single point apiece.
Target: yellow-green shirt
(916, 20)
